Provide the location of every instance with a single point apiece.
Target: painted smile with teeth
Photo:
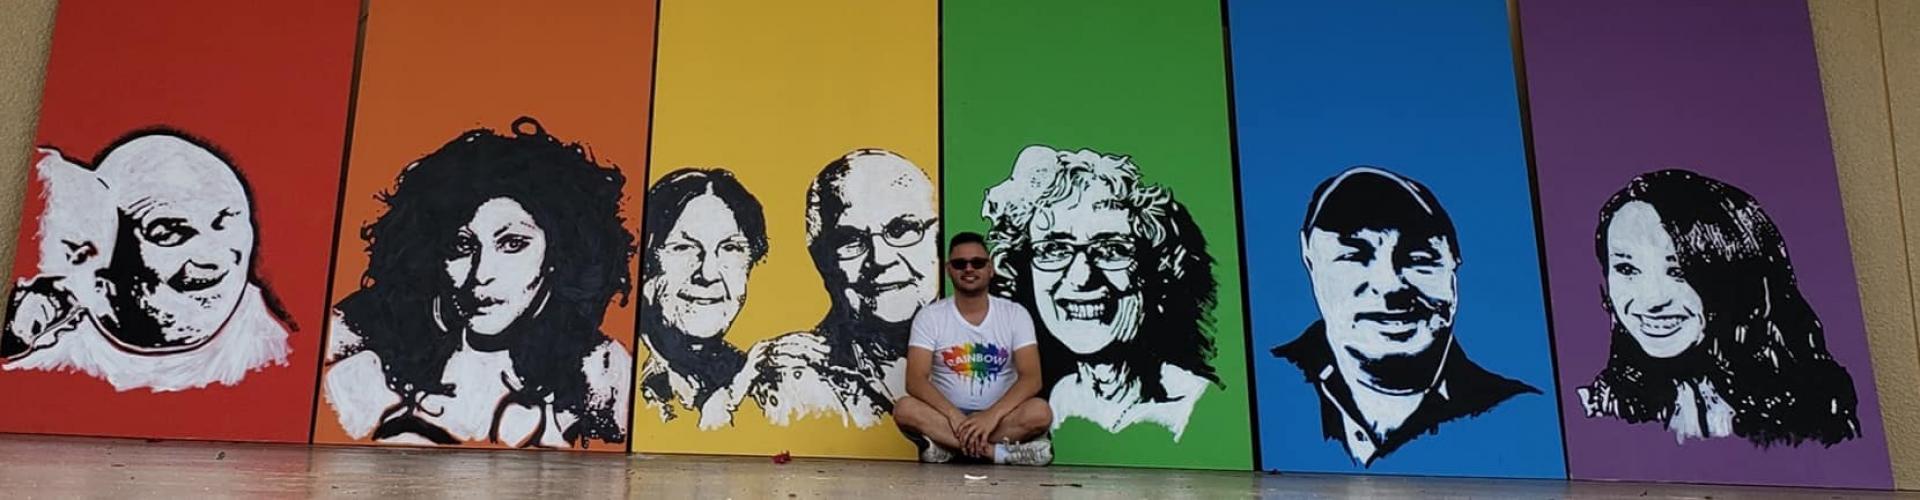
(194, 277)
(1092, 309)
(1398, 325)
(1660, 325)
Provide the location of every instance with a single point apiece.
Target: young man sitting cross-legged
(973, 370)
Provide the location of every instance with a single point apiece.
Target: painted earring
(437, 321)
(544, 295)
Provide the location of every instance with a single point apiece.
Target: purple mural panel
(1706, 320)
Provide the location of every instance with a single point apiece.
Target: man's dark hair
(966, 237)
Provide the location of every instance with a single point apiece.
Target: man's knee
(910, 413)
(1033, 414)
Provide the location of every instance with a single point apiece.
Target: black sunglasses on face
(963, 264)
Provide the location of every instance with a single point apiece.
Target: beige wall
(26, 29)
(1870, 65)
(1869, 60)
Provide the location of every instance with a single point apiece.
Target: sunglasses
(963, 264)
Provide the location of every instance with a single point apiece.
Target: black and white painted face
(883, 250)
(1650, 294)
(1381, 296)
(498, 265)
(190, 217)
(1083, 271)
(702, 281)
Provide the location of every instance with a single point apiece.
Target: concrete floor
(64, 467)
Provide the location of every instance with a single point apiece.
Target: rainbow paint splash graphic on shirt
(979, 363)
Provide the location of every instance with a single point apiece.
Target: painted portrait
(478, 316)
(870, 224)
(1097, 152)
(791, 266)
(485, 270)
(1393, 261)
(1711, 336)
(1707, 310)
(702, 237)
(1120, 283)
(1383, 258)
(175, 213)
(147, 275)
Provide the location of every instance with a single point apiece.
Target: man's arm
(1026, 362)
(920, 384)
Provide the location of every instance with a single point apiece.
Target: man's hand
(954, 419)
(976, 433)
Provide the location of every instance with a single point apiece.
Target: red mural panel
(173, 254)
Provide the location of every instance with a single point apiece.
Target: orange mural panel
(481, 293)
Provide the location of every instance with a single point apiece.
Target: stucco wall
(1870, 62)
(1870, 65)
(26, 29)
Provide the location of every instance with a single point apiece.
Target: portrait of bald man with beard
(1383, 258)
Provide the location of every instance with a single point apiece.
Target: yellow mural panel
(779, 332)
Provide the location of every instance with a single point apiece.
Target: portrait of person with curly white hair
(1119, 276)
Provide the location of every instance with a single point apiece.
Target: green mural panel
(1096, 133)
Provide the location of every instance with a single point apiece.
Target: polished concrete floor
(62, 467)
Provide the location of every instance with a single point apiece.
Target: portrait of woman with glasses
(1119, 276)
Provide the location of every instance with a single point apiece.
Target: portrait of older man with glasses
(1119, 276)
(870, 220)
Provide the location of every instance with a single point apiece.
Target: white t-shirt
(973, 365)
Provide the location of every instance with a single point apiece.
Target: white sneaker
(935, 454)
(1039, 451)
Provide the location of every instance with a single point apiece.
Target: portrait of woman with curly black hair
(1711, 335)
(478, 316)
(1119, 276)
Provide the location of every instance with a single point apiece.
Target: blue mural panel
(1393, 266)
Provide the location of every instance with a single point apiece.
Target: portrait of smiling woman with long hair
(478, 317)
(1711, 335)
